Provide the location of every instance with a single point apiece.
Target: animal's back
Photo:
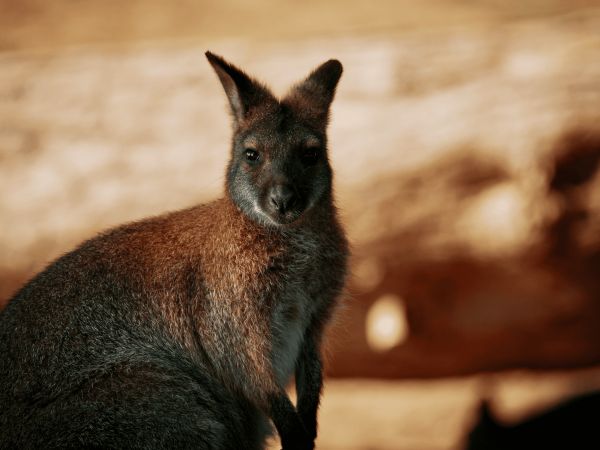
(87, 350)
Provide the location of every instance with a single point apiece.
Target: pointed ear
(316, 92)
(243, 92)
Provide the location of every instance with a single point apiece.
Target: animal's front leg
(278, 406)
(292, 431)
(309, 382)
(239, 350)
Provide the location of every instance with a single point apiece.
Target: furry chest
(289, 321)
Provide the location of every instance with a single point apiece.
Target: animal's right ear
(243, 92)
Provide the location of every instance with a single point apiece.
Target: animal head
(279, 169)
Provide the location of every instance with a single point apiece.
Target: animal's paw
(299, 441)
(310, 446)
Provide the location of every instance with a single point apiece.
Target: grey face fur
(279, 169)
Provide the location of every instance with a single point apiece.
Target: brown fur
(202, 316)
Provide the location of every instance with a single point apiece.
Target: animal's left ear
(315, 94)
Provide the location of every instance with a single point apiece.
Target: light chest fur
(265, 283)
(295, 303)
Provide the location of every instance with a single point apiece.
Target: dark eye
(310, 155)
(251, 154)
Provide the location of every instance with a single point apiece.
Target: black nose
(282, 197)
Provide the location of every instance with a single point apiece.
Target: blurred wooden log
(466, 316)
(441, 144)
(469, 310)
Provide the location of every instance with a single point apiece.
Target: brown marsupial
(184, 330)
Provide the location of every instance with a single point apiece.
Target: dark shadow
(569, 425)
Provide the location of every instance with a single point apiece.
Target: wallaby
(184, 330)
(572, 425)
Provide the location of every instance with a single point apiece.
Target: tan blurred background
(465, 141)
